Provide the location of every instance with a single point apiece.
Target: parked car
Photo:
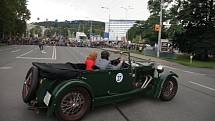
(69, 91)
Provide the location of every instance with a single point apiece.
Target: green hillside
(73, 26)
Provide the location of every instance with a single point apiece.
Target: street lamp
(108, 19)
(159, 34)
(126, 17)
(126, 9)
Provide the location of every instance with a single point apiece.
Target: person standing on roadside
(41, 45)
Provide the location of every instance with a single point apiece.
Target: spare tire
(30, 84)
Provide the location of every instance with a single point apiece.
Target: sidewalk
(172, 65)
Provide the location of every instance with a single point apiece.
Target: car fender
(63, 87)
(161, 80)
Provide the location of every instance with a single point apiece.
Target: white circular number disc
(119, 77)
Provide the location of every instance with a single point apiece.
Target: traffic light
(157, 27)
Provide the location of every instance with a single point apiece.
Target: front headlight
(160, 69)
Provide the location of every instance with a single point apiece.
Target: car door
(120, 81)
(98, 81)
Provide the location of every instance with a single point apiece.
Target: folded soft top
(59, 71)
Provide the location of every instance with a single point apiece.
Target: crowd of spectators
(57, 41)
(64, 41)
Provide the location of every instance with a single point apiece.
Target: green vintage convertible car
(69, 91)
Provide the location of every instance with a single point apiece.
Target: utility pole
(79, 26)
(159, 34)
(83, 26)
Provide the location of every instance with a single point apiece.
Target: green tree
(192, 21)
(63, 27)
(36, 31)
(149, 34)
(134, 34)
(13, 16)
(198, 19)
(176, 26)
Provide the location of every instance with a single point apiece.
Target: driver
(105, 63)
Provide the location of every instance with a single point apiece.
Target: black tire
(169, 89)
(73, 104)
(30, 85)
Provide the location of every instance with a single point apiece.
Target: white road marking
(202, 86)
(54, 53)
(43, 51)
(25, 53)
(184, 70)
(32, 58)
(16, 51)
(6, 67)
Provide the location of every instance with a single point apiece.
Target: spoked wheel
(30, 85)
(27, 85)
(73, 104)
(169, 89)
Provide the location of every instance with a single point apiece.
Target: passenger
(105, 63)
(90, 60)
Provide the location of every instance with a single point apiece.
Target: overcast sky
(87, 10)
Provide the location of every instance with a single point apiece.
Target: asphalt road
(195, 100)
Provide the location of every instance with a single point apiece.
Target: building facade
(118, 28)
